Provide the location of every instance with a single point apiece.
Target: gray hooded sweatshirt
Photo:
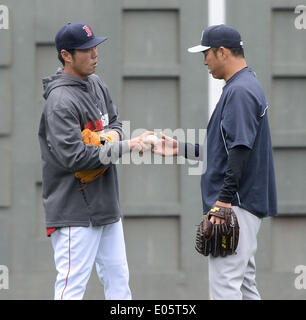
(71, 106)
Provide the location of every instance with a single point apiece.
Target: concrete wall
(156, 84)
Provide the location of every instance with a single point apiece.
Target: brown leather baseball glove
(218, 239)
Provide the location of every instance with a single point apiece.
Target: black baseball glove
(218, 239)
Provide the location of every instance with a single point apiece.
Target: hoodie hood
(60, 79)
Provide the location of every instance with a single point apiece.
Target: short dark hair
(236, 52)
(60, 58)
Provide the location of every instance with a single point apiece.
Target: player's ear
(224, 52)
(67, 56)
(221, 51)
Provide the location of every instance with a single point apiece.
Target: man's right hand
(165, 146)
(139, 143)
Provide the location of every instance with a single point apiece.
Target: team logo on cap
(88, 31)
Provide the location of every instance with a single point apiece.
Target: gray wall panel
(158, 250)
(156, 84)
(46, 64)
(289, 41)
(149, 184)
(6, 54)
(50, 15)
(291, 172)
(156, 43)
(6, 24)
(151, 103)
(287, 108)
(5, 229)
(6, 177)
(274, 48)
(286, 233)
(6, 102)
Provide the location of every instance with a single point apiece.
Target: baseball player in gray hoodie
(84, 223)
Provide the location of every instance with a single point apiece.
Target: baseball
(152, 139)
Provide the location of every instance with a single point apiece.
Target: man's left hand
(217, 220)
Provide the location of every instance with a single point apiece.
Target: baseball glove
(218, 239)
(94, 139)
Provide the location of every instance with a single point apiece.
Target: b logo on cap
(88, 31)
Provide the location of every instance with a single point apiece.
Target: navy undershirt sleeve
(190, 151)
(196, 150)
(237, 159)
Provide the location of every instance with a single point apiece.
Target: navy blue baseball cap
(76, 35)
(218, 36)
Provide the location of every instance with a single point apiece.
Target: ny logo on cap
(88, 31)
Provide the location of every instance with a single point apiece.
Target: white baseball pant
(233, 277)
(76, 249)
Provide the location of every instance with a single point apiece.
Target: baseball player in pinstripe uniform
(84, 223)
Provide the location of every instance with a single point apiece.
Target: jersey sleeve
(241, 117)
(64, 140)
